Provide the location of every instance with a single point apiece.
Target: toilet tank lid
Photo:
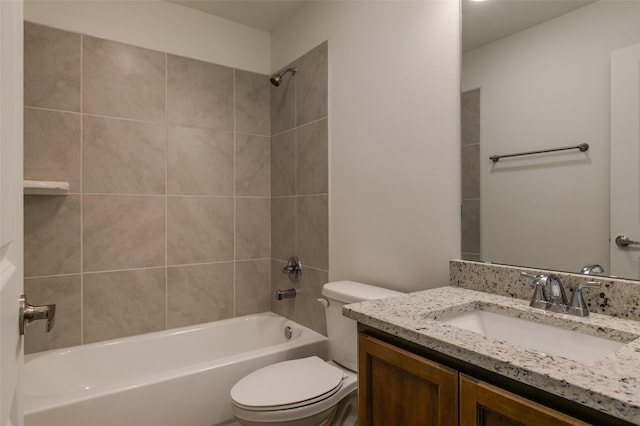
(352, 291)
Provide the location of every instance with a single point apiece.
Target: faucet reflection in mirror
(544, 86)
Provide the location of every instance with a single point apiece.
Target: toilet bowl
(301, 392)
(310, 391)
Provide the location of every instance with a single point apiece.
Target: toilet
(310, 391)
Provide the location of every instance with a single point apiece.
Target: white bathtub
(179, 377)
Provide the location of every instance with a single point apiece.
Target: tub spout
(286, 294)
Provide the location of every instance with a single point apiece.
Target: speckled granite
(616, 297)
(611, 385)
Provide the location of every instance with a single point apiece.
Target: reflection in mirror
(545, 85)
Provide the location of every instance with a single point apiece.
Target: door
(625, 160)
(397, 387)
(11, 237)
(482, 404)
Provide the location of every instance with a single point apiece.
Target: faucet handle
(577, 305)
(539, 299)
(592, 269)
(28, 313)
(531, 276)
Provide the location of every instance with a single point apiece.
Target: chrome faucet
(539, 298)
(557, 299)
(592, 269)
(286, 294)
(577, 306)
(293, 269)
(557, 295)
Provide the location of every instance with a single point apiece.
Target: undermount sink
(580, 347)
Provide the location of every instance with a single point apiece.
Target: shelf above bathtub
(45, 187)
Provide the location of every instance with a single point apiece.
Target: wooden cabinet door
(482, 404)
(399, 388)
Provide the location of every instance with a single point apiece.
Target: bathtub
(178, 377)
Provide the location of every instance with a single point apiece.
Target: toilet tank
(342, 331)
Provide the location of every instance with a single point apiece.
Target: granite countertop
(610, 385)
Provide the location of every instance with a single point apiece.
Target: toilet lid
(287, 383)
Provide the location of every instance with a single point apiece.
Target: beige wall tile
(122, 156)
(471, 256)
(220, 183)
(64, 292)
(471, 226)
(253, 103)
(199, 94)
(312, 85)
(199, 293)
(253, 165)
(313, 231)
(283, 104)
(312, 160)
(51, 68)
(123, 303)
(470, 117)
(283, 164)
(52, 146)
(471, 171)
(199, 229)
(283, 227)
(309, 312)
(123, 231)
(51, 235)
(253, 286)
(200, 162)
(253, 228)
(285, 307)
(121, 80)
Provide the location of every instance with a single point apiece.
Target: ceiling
(491, 20)
(262, 14)
(483, 21)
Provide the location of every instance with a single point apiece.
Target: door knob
(30, 313)
(624, 241)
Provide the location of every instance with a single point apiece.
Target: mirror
(541, 84)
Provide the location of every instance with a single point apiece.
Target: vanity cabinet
(483, 404)
(399, 387)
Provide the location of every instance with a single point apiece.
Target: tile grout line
(133, 120)
(58, 110)
(166, 191)
(81, 190)
(294, 127)
(144, 268)
(295, 179)
(235, 207)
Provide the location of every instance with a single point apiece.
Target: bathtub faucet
(286, 294)
(293, 269)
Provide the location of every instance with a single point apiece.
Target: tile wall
(300, 186)
(470, 211)
(168, 220)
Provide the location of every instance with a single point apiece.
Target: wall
(300, 186)
(394, 149)
(168, 218)
(161, 26)
(546, 87)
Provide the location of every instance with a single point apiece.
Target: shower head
(276, 79)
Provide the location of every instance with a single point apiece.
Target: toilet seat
(303, 413)
(288, 384)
